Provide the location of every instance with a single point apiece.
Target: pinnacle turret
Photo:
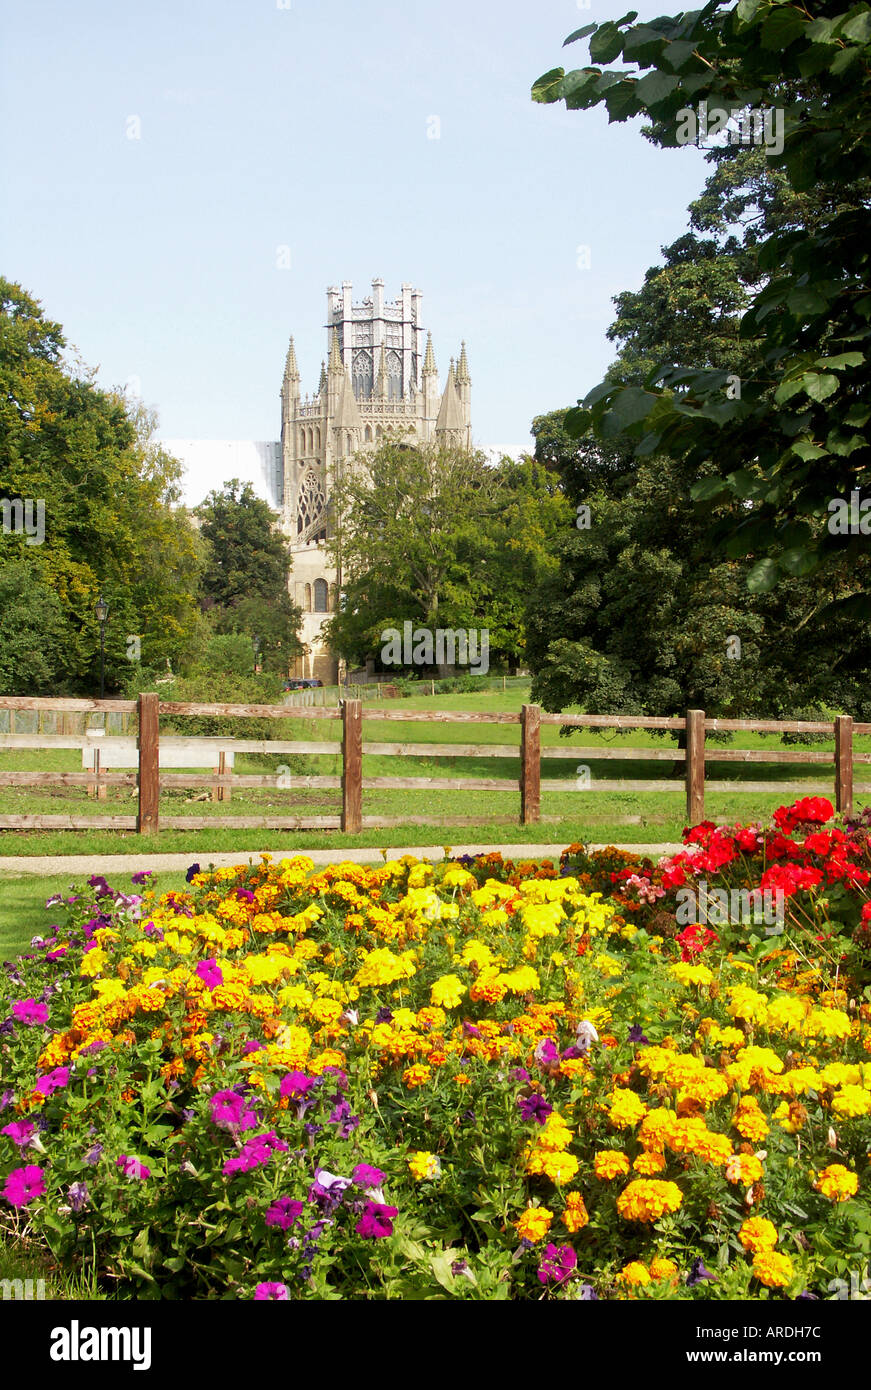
(291, 370)
(429, 362)
(463, 377)
(322, 384)
(336, 364)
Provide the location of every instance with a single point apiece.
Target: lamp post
(101, 610)
(255, 643)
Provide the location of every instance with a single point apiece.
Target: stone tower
(380, 376)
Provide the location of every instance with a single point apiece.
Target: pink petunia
(30, 1011)
(23, 1185)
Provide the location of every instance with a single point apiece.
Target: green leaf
(606, 43)
(763, 576)
(677, 54)
(798, 561)
(579, 34)
(629, 407)
(655, 87)
(844, 359)
(820, 385)
(782, 27)
(857, 28)
(548, 87)
(803, 301)
(706, 488)
(806, 450)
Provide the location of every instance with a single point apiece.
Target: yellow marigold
(827, 1023)
(447, 992)
(382, 967)
(750, 1121)
(549, 1163)
(418, 1075)
(744, 1169)
(837, 1183)
(688, 974)
(634, 1273)
(723, 1037)
(521, 980)
(785, 1013)
(757, 1234)
(661, 1268)
(326, 1010)
(773, 1269)
(626, 1109)
(534, 1223)
(554, 1133)
(747, 1003)
(648, 1164)
(423, 1165)
(798, 1081)
(610, 1163)
(647, 1199)
(655, 1128)
(575, 1214)
(456, 877)
(852, 1101)
(94, 962)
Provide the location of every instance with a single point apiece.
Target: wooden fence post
(695, 765)
(101, 786)
(352, 766)
(149, 764)
(844, 764)
(530, 764)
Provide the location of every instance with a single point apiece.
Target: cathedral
(379, 376)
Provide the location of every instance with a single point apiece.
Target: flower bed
(473, 1079)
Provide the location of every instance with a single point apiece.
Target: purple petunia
(92, 1157)
(141, 876)
(558, 1264)
(376, 1221)
(100, 886)
(132, 1167)
(77, 1195)
(636, 1035)
(284, 1213)
(534, 1107)
(252, 1045)
(328, 1189)
(53, 1081)
(296, 1083)
(698, 1273)
(21, 1132)
(230, 1111)
(245, 895)
(254, 1153)
(210, 973)
(272, 1293)
(30, 1011)
(364, 1175)
(6, 1098)
(194, 869)
(547, 1054)
(23, 1185)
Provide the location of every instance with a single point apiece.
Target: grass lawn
(23, 913)
(567, 815)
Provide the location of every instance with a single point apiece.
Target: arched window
(318, 438)
(308, 598)
(310, 505)
(394, 376)
(379, 432)
(362, 375)
(321, 594)
(368, 434)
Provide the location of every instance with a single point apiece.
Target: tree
(108, 498)
(245, 581)
(793, 440)
(437, 537)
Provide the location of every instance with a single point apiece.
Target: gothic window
(318, 438)
(310, 504)
(394, 376)
(308, 598)
(368, 434)
(321, 596)
(362, 375)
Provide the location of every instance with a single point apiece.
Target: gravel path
(78, 864)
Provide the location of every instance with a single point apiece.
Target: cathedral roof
(451, 411)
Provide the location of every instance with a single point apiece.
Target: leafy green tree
(108, 492)
(795, 438)
(31, 630)
(245, 583)
(437, 537)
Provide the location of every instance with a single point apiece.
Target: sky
(184, 179)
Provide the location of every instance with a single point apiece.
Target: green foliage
(437, 537)
(110, 524)
(798, 422)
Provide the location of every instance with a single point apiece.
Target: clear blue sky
(307, 127)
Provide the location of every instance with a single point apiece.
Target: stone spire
(464, 386)
(291, 370)
(322, 384)
(450, 423)
(463, 377)
(382, 380)
(429, 363)
(336, 364)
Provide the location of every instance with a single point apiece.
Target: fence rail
(148, 778)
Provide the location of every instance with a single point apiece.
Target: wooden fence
(149, 778)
